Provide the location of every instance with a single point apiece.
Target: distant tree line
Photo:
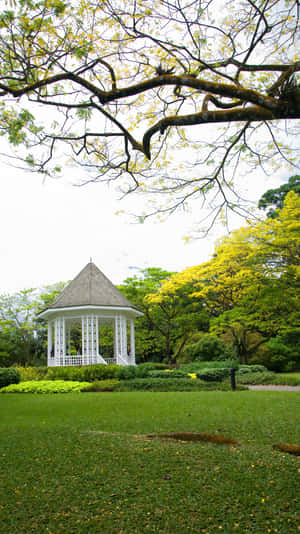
(243, 303)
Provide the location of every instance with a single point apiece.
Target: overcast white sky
(50, 230)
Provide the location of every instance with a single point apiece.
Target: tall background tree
(116, 86)
(167, 325)
(273, 198)
(251, 286)
(23, 336)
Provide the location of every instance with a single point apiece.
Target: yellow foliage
(243, 260)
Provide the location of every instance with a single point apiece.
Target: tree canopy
(166, 325)
(252, 283)
(22, 335)
(117, 86)
(273, 198)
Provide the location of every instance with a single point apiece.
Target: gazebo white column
(132, 343)
(50, 360)
(90, 340)
(121, 355)
(60, 341)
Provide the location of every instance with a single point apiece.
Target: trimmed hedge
(101, 385)
(194, 367)
(168, 373)
(9, 375)
(177, 384)
(32, 373)
(87, 373)
(45, 386)
(151, 366)
(213, 375)
(92, 373)
(243, 369)
(270, 378)
(127, 372)
(256, 378)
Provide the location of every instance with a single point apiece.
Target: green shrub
(168, 373)
(244, 369)
(165, 384)
(45, 386)
(64, 373)
(256, 378)
(281, 357)
(126, 372)
(87, 373)
(101, 385)
(213, 375)
(153, 365)
(143, 369)
(9, 375)
(276, 379)
(193, 367)
(32, 373)
(100, 371)
(209, 347)
(287, 379)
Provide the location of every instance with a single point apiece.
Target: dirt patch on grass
(177, 436)
(288, 447)
(196, 436)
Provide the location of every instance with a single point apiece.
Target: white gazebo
(79, 316)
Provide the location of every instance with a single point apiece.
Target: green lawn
(81, 463)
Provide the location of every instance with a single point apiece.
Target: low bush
(244, 369)
(126, 372)
(168, 373)
(165, 384)
(209, 347)
(144, 369)
(256, 378)
(45, 386)
(193, 367)
(64, 373)
(87, 373)
(213, 375)
(32, 373)
(282, 356)
(276, 379)
(101, 385)
(90, 373)
(9, 375)
(151, 366)
(287, 379)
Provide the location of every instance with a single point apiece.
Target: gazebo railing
(73, 360)
(78, 360)
(110, 361)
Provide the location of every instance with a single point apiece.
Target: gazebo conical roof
(93, 289)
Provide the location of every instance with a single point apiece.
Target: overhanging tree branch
(135, 69)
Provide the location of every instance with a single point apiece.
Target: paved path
(274, 388)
